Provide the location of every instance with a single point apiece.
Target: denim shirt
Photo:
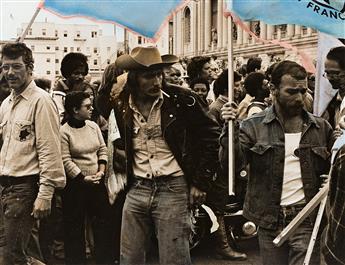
(262, 142)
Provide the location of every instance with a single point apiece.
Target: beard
(292, 108)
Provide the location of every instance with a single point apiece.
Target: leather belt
(7, 181)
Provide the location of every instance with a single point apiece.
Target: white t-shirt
(292, 191)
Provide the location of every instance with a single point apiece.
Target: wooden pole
(231, 99)
(292, 226)
(22, 37)
(315, 231)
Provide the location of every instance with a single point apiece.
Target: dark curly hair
(195, 66)
(71, 61)
(253, 83)
(253, 64)
(221, 85)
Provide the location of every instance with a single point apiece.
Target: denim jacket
(263, 146)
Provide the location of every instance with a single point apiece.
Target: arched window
(187, 31)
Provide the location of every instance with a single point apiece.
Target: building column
(263, 30)
(207, 26)
(239, 35)
(175, 35)
(220, 18)
(199, 25)
(225, 31)
(179, 34)
(270, 30)
(298, 29)
(194, 27)
(290, 30)
(309, 31)
(245, 34)
(279, 33)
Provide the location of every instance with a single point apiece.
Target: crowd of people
(106, 169)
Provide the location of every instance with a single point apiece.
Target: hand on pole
(229, 111)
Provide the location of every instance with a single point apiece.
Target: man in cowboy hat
(171, 152)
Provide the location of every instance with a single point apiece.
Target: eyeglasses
(15, 67)
(333, 73)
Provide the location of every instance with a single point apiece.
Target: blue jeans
(17, 202)
(293, 251)
(157, 206)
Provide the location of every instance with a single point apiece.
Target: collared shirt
(152, 156)
(332, 114)
(29, 128)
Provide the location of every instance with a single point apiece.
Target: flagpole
(231, 98)
(21, 39)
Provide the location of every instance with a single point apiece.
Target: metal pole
(21, 39)
(231, 98)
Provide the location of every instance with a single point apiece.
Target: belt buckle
(287, 210)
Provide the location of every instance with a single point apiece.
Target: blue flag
(142, 16)
(325, 15)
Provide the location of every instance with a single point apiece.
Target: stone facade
(200, 28)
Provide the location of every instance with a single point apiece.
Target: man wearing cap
(171, 152)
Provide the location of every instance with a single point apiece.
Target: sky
(15, 12)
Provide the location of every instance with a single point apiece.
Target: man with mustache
(287, 150)
(171, 148)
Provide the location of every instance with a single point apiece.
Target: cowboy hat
(142, 58)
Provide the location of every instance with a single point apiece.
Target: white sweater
(82, 148)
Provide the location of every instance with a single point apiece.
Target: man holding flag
(287, 150)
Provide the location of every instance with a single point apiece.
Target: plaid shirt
(334, 243)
